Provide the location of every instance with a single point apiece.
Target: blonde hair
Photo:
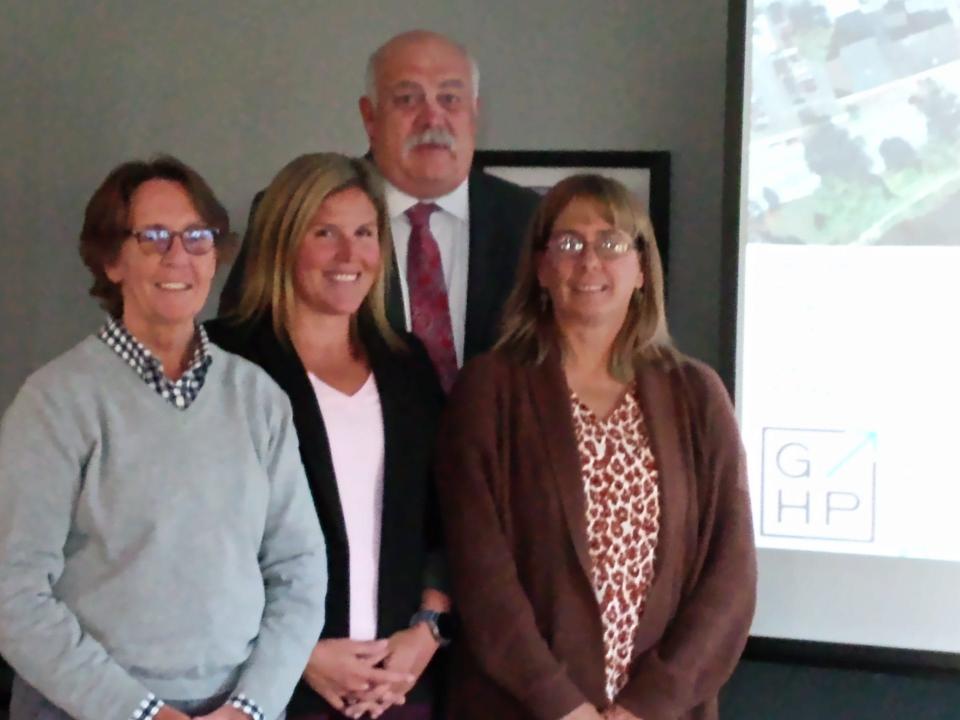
(279, 225)
(530, 332)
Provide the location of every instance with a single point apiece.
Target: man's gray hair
(373, 64)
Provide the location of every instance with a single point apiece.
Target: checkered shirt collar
(180, 393)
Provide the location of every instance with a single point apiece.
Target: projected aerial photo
(854, 122)
(850, 310)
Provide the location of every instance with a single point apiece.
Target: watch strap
(431, 618)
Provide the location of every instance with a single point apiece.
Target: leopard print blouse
(623, 516)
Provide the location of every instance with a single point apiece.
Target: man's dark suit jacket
(499, 214)
(411, 399)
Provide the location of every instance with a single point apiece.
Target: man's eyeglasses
(158, 239)
(608, 247)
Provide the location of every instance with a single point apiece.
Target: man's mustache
(433, 136)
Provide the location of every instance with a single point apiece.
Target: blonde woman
(601, 554)
(366, 403)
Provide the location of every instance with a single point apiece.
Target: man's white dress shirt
(450, 226)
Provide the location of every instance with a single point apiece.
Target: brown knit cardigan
(513, 504)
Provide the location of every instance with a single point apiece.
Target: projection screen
(848, 364)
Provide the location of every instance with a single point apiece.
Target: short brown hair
(277, 229)
(105, 221)
(529, 330)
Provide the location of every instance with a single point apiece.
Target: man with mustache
(456, 232)
(420, 113)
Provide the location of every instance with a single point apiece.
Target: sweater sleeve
(42, 456)
(294, 566)
(499, 627)
(704, 640)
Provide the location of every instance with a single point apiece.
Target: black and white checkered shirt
(151, 705)
(180, 393)
(247, 706)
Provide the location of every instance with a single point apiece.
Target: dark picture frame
(645, 172)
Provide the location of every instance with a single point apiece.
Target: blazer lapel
(480, 274)
(396, 313)
(551, 402)
(396, 437)
(285, 367)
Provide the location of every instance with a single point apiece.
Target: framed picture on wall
(646, 173)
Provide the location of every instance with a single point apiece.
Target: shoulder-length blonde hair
(279, 225)
(530, 333)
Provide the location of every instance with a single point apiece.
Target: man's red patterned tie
(429, 306)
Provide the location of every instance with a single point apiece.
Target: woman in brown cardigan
(594, 487)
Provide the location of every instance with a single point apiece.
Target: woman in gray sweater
(159, 552)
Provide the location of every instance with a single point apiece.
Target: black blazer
(411, 400)
(499, 214)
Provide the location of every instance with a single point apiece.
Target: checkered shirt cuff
(247, 706)
(147, 708)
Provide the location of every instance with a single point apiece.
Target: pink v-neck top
(354, 426)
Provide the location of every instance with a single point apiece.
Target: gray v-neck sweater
(147, 549)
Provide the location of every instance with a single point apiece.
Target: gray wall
(237, 88)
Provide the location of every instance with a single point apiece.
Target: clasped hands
(367, 677)
(589, 712)
(224, 712)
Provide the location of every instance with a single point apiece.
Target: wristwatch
(439, 624)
